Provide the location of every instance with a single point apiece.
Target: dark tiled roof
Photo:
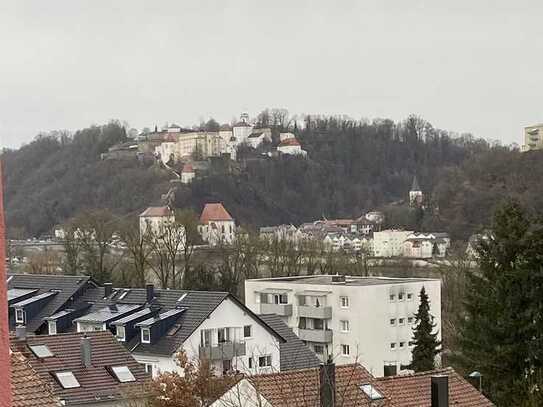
(157, 211)
(27, 387)
(294, 353)
(67, 286)
(97, 384)
(301, 388)
(415, 390)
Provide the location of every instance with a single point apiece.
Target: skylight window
(371, 392)
(41, 351)
(123, 374)
(67, 380)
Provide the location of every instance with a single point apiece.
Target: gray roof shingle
(294, 353)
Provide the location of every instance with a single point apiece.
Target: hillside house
(390, 242)
(291, 146)
(216, 225)
(426, 245)
(187, 174)
(258, 136)
(155, 218)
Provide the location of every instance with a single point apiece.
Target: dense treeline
(353, 166)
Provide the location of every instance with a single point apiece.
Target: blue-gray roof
(106, 314)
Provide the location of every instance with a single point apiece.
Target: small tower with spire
(415, 194)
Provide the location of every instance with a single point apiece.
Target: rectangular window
(223, 335)
(264, 299)
(148, 368)
(401, 321)
(250, 362)
(283, 299)
(318, 324)
(400, 297)
(264, 361)
(318, 349)
(392, 345)
(409, 296)
(345, 350)
(303, 323)
(410, 320)
(344, 326)
(247, 331)
(52, 325)
(344, 301)
(20, 316)
(145, 335)
(402, 345)
(392, 297)
(120, 333)
(205, 337)
(392, 321)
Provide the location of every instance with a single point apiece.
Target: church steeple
(415, 186)
(415, 194)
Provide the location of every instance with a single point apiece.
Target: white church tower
(415, 194)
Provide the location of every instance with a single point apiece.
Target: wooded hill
(353, 167)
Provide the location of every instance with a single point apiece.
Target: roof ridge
(447, 369)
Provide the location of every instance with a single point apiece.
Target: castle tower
(415, 194)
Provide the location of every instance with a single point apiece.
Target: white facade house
(187, 174)
(155, 218)
(427, 245)
(242, 129)
(390, 242)
(216, 225)
(230, 337)
(366, 320)
(258, 136)
(291, 146)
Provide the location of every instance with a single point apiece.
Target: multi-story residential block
(216, 225)
(426, 245)
(155, 218)
(368, 320)
(390, 242)
(155, 324)
(533, 137)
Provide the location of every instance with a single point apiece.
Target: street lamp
(477, 375)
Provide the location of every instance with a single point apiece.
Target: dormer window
(145, 335)
(52, 327)
(120, 333)
(19, 316)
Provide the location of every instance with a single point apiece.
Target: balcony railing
(315, 312)
(223, 351)
(315, 335)
(284, 310)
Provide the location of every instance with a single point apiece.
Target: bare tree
(139, 250)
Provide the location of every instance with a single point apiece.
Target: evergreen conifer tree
(501, 334)
(426, 342)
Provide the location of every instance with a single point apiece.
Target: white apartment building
(389, 243)
(368, 320)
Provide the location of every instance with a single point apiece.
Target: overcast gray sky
(464, 65)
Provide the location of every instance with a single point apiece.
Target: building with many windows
(533, 137)
(368, 320)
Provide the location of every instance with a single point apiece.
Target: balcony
(315, 335)
(223, 351)
(284, 310)
(315, 312)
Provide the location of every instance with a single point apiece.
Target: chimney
(150, 292)
(86, 351)
(20, 332)
(440, 391)
(108, 289)
(327, 380)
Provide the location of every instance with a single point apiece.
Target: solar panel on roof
(123, 374)
(41, 351)
(67, 380)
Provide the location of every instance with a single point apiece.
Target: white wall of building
(216, 232)
(369, 313)
(154, 223)
(389, 243)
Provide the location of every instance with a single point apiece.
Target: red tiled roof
(289, 142)
(157, 211)
(187, 168)
(214, 212)
(415, 390)
(97, 384)
(27, 388)
(301, 388)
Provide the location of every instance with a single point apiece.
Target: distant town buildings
(415, 194)
(533, 137)
(426, 245)
(216, 225)
(155, 218)
(390, 242)
(368, 320)
(187, 174)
